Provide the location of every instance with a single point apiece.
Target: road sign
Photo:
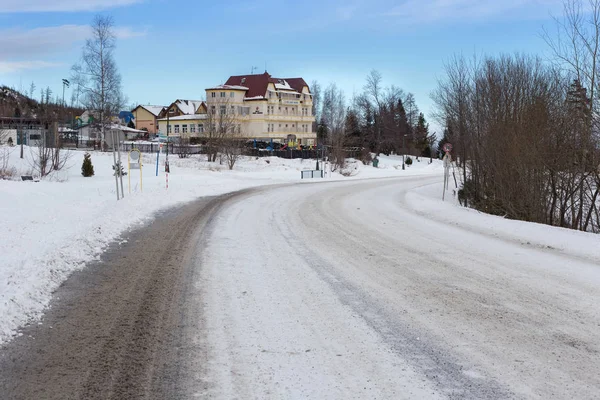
(447, 148)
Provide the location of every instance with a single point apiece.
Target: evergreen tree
(353, 131)
(10, 141)
(87, 169)
(48, 95)
(423, 139)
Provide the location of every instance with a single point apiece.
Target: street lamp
(403, 150)
(66, 83)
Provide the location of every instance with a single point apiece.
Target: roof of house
(185, 117)
(188, 106)
(229, 87)
(154, 110)
(257, 84)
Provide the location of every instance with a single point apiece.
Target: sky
(175, 49)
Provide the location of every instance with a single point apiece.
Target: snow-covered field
(53, 227)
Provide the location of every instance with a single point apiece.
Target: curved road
(334, 290)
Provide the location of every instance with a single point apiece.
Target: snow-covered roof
(255, 98)
(155, 110)
(64, 129)
(229, 87)
(282, 84)
(125, 128)
(188, 106)
(185, 117)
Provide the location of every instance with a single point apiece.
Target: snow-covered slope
(54, 227)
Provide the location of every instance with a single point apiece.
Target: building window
(212, 109)
(176, 128)
(200, 128)
(268, 127)
(270, 94)
(192, 128)
(223, 110)
(183, 128)
(222, 94)
(169, 129)
(233, 109)
(213, 94)
(231, 94)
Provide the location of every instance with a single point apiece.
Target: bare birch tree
(97, 75)
(334, 119)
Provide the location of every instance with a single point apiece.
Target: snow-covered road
(344, 290)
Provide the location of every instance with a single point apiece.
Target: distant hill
(16, 104)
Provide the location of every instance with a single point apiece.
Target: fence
(154, 147)
(311, 174)
(289, 154)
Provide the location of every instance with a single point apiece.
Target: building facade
(266, 108)
(146, 117)
(183, 125)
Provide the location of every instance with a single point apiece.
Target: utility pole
(167, 169)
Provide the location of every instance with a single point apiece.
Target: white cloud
(19, 47)
(7, 67)
(15, 43)
(12, 6)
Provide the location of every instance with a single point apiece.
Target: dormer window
(243, 80)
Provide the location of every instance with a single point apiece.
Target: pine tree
(87, 169)
(422, 138)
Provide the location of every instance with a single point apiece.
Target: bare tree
(232, 145)
(334, 119)
(221, 119)
(31, 89)
(97, 74)
(315, 89)
(46, 154)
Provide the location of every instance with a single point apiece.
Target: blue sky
(175, 49)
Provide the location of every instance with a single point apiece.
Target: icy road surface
(342, 291)
(367, 289)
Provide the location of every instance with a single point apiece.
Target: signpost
(134, 161)
(447, 164)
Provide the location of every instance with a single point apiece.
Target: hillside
(13, 103)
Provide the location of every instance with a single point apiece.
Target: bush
(365, 156)
(408, 161)
(87, 169)
(10, 141)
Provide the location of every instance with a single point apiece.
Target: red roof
(257, 84)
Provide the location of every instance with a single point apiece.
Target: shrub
(408, 161)
(10, 141)
(87, 169)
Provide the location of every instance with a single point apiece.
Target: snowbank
(53, 227)
(427, 200)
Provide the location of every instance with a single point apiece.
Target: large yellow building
(265, 107)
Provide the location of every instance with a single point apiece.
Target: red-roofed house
(266, 107)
